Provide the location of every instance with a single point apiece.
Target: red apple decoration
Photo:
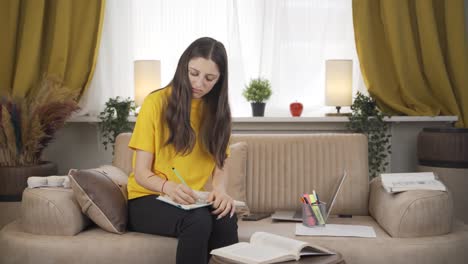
(296, 108)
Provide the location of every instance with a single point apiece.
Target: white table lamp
(147, 76)
(339, 84)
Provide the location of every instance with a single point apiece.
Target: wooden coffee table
(332, 259)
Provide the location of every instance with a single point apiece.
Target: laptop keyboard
(298, 214)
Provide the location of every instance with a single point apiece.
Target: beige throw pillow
(236, 167)
(100, 198)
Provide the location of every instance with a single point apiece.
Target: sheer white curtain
(163, 29)
(288, 44)
(113, 75)
(286, 41)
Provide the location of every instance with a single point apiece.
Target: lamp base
(338, 113)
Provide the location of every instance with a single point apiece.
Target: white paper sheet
(336, 230)
(399, 182)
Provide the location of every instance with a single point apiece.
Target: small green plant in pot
(366, 118)
(114, 119)
(257, 92)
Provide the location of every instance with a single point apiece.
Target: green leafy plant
(28, 125)
(366, 118)
(258, 90)
(114, 119)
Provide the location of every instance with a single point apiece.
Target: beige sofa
(411, 227)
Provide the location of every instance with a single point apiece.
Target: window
(286, 41)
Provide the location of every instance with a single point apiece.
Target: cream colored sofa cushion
(236, 167)
(411, 214)
(123, 154)
(95, 245)
(280, 167)
(51, 211)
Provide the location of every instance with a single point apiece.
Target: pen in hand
(180, 177)
(198, 200)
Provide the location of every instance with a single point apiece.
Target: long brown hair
(215, 130)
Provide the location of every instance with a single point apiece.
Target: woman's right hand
(180, 193)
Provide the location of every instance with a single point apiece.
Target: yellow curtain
(53, 37)
(414, 55)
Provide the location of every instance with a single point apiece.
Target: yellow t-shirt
(150, 134)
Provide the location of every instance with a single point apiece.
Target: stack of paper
(399, 182)
(336, 230)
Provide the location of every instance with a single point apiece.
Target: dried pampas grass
(28, 125)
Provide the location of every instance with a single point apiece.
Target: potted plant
(257, 92)
(28, 125)
(366, 118)
(114, 119)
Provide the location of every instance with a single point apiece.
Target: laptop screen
(336, 190)
(297, 215)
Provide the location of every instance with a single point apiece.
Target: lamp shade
(147, 74)
(338, 81)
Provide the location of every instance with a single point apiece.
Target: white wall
(78, 146)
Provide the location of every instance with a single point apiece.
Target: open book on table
(399, 182)
(201, 201)
(269, 248)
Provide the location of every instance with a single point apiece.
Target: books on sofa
(399, 182)
(269, 248)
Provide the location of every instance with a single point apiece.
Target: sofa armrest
(51, 211)
(411, 213)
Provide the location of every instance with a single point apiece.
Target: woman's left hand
(223, 203)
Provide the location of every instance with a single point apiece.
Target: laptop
(296, 216)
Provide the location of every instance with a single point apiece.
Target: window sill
(308, 119)
(340, 119)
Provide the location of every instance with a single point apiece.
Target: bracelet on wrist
(162, 187)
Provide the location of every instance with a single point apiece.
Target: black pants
(197, 230)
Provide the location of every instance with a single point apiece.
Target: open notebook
(201, 202)
(296, 216)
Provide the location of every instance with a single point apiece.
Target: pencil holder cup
(314, 214)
